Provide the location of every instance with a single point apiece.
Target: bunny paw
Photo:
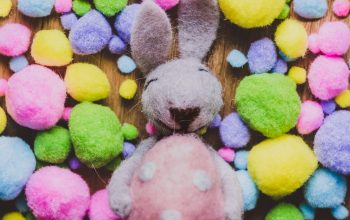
(122, 205)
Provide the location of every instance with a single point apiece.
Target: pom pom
(166, 4)
(328, 107)
(53, 145)
(3, 120)
(110, 7)
(297, 74)
(126, 65)
(325, 189)
(5, 8)
(241, 160)
(313, 43)
(3, 87)
(310, 118)
(259, 95)
(35, 97)
(250, 191)
(17, 163)
(292, 45)
(95, 133)
(262, 56)
(13, 216)
(99, 207)
(310, 9)
(74, 163)
(308, 211)
(236, 59)
(116, 45)
(130, 132)
(251, 14)
(14, 39)
(233, 132)
(343, 99)
(284, 211)
(66, 113)
(150, 129)
(68, 190)
(331, 143)
(125, 20)
(227, 154)
(128, 149)
(216, 122)
(280, 67)
(86, 82)
(341, 7)
(284, 13)
(35, 8)
(18, 63)
(51, 48)
(81, 7)
(63, 6)
(284, 161)
(340, 212)
(128, 89)
(328, 77)
(90, 34)
(68, 20)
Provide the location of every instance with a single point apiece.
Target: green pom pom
(130, 132)
(268, 103)
(53, 145)
(114, 164)
(284, 211)
(96, 134)
(110, 7)
(81, 7)
(284, 13)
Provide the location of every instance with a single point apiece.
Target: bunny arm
(118, 187)
(233, 198)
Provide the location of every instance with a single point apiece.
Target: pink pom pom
(150, 129)
(66, 113)
(227, 154)
(63, 6)
(310, 118)
(99, 207)
(341, 8)
(167, 4)
(313, 44)
(3, 87)
(57, 193)
(14, 39)
(328, 77)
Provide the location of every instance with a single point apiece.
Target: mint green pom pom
(130, 132)
(110, 7)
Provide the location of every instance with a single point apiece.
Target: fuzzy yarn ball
(331, 144)
(57, 193)
(18, 63)
(227, 154)
(284, 211)
(310, 9)
(297, 74)
(14, 44)
(253, 13)
(125, 20)
(117, 45)
(328, 77)
(53, 145)
(130, 132)
(99, 207)
(166, 4)
(286, 160)
(90, 34)
(233, 132)
(68, 20)
(291, 38)
(3, 120)
(35, 8)
(5, 8)
(310, 118)
(259, 95)
(236, 59)
(51, 48)
(328, 106)
(17, 163)
(341, 8)
(81, 7)
(343, 99)
(126, 64)
(86, 82)
(280, 66)
(35, 97)
(262, 56)
(13, 216)
(241, 160)
(110, 7)
(95, 133)
(63, 6)
(128, 89)
(74, 163)
(249, 189)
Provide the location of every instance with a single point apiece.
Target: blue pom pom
(280, 67)
(68, 20)
(340, 212)
(18, 63)
(325, 189)
(216, 122)
(262, 56)
(128, 149)
(17, 163)
(308, 211)
(90, 34)
(241, 160)
(126, 65)
(124, 21)
(233, 132)
(250, 191)
(21, 204)
(35, 8)
(328, 106)
(310, 9)
(285, 58)
(236, 59)
(116, 45)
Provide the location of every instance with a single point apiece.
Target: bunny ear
(198, 24)
(151, 37)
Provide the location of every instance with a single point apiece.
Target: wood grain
(229, 37)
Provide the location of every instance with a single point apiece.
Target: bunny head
(180, 95)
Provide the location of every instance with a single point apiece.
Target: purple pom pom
(280, 67)
(128, 149)
(116, 45)
(262, 56)
(328, 106)
(74, 163)
(124, 21)
(68, 20)
(216, 122)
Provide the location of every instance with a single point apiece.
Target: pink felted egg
(57, 193)
(35, 97)
(341, 7)
(14, 39)
(310, 118)
(99, 207)
(328, 77)
(167, 4)
(63, 6)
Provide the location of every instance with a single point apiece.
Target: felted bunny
(177, 177)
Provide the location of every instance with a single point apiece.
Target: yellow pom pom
(291, 38)
(3, 119)
(5, 8)
(251, 13)
(51, 48)
(281, 165)
(128, 89)
(86, 82)
(297, 74)
(343, 100)
(13, 215)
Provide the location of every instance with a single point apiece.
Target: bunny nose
(184, 117)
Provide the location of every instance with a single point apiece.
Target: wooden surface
(229, 37)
